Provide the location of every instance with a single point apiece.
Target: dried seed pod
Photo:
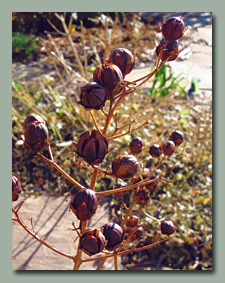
(84, 204)
(138, 234)
(167, 227)
(132, 221)
(142, 197)
(36, 135)
(92, 241)
(135, 146)
(16, 187)
(32, 118)
(173, 28)
(155, 150)
(125, 166)
(122, 58)
(168, 148)
(117, 186)
(170, 51)
(151, 186)
(177, 137)
(110, 78)
(113, 234)
(92, 96)
(92, 147)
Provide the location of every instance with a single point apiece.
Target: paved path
(52, 221)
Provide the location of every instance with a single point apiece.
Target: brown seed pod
(117, 186)
(16, 187)
(155, 150)
(135, 146)
(170, 51)
(168, 148)
(92, 147)
(177, 137)
(92, 96)
(138, 234)
(113, 234)
(36, 135)
(142, 197)
(167, 227)
(151, 186)
(125, 166)
(33, 118)
(110, 78)
(92, 241)
(173, 28)
(84, 204)
(132, 221)
(124, 59)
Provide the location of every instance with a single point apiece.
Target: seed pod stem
(94, 121)
(35, 236)
(116, 261)
(128, 212)
(129, 131)
(61, 171)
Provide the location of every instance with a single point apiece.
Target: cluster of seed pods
(108, 83)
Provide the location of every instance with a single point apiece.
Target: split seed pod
(142, 197)
(92, 96)
(84, 204)
(16, 187)
(92, 241)
(110, 77)
(92, 147)
(169, 51)
(132, 221)
(36, 135)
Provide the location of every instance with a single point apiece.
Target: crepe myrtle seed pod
(136, 180)
(32, 118)
(155, 150)
(167, 227)
(84, 204)
(117, 186)
(125, 167)
(92, 96)
(138, 234)
(151, 186)
(168, 148)
(113, 234)
(16, 187)
(110, 78)
(135, 146)
(170, 51)
(92, 241)
(142, 197)
(36, 135)
(177, 137)
(92, 147)
(124, 59)
(132, 221)
(173, 28)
